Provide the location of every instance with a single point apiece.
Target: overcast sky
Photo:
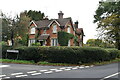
(81, 10)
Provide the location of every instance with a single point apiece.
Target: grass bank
(55, 64)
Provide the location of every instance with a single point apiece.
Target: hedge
(72, 55)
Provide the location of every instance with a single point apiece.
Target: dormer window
(68, 29)
(54, 28)
(32, 31)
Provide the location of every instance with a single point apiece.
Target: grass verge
(55, 64)
(16, 61)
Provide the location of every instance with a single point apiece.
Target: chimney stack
(60, 15)
(76, 24)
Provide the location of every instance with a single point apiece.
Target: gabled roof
(42, 23)
(47, 23)
(63, 21)
(79, 31)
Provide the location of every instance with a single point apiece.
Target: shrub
(71, 55)
(113, 53)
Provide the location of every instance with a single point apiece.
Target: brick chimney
(76, 24)
(60, 15)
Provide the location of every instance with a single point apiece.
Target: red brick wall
(31, 36)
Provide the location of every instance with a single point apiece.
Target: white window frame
(54, 42)
(69, 43)
(31, 41)
(69, 30)
(54, 28)
(32, 30)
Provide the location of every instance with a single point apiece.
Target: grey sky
(81, 10)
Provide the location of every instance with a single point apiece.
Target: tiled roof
(45, 23)
(79, 31)
(42, 23)
(43, 37)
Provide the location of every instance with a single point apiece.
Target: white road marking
(110, 76)
(21, 75)
(36, 74)
(53, 69)
(43, 70)
(32, 72)
(2, 75)
(6, 77)
(1, 66)
(92, 66)
(81, 67)
(75, 68)
(67, 69)
(63, 68)
(16, 73)
(87, 66)
(58, 70)
(48, 72)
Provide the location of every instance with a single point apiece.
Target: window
(54, 42)
(32, 31)
(31, 41)
(55, 29)
(69, 43)
(68, 30)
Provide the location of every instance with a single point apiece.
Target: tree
(35, 15)
(23, 26)
(9, 27)
(99, 43)
(108, 19)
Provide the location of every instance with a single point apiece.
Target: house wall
(31, 36)
(54, 35)
(71, 31)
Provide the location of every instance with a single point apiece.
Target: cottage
(45, 31)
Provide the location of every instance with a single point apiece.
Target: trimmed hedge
(72, 55)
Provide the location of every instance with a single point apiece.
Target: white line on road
(58, 70)
(48, 72)
(1, 66)
(6, 77)
(16, 73)
(110, 76)
(75, 68)
(43, 70)
(87, 66)
(21, 75)
(36, 74)
(2, 75)
(81, 67)
(63, 68)
(53, 69)
(32, 72)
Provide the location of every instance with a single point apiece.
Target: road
(30, 72)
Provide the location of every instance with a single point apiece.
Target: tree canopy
(107, 18)
(35, 15)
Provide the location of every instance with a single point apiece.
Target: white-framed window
(54, 28)
(54, 42)
(31, 41)
(32, 31)
(68, 29)
(69, 43)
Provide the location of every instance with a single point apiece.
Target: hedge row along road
(70, 55)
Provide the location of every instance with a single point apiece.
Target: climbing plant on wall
(64, 37)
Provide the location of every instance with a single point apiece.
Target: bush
(4, 50)
(113, 53)
(71, 55)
